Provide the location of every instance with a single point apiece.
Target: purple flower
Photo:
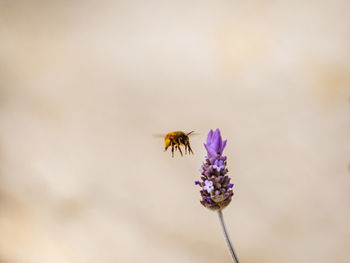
(214, 145)
(208, 186)
(216, 190)
(219, 165)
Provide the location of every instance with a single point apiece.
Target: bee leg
(178, 146)
(172, 150)
(189, 149)
(180, 150)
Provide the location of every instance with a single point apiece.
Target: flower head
(214, 145)
(216, 189)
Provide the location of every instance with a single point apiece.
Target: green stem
(227, 238)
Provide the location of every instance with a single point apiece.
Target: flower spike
(216, 188)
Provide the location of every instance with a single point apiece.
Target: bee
(175, 140)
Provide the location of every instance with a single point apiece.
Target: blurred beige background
(85, 84)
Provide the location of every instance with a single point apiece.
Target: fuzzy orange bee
(175, 140)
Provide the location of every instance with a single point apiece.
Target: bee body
(175, 140)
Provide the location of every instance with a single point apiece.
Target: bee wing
(158, 135)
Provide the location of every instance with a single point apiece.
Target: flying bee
(175, 140)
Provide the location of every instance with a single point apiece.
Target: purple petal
(216, 140)
(230, 185)
(219, 162)
(197, 182)
(211, 151)
(223, 146)
(212, 159)
(210, 135)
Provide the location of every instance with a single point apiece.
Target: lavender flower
(216, 189)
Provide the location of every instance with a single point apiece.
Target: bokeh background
(85, 84)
